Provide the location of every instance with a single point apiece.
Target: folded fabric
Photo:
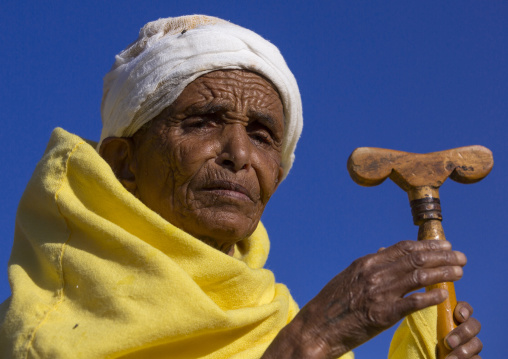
(416, 337)
(94, 273)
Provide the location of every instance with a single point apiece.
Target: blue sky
(418, 76)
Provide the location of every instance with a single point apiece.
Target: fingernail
(464, 313)
(453, 341)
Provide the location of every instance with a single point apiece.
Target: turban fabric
(170, 53)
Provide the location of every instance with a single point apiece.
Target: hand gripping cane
(421, 175)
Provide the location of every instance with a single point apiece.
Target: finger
(462, 311)
(411, 272)
(471, 349)
(401, 281)
(418, 301)
(463, 333)
(423, 277)
(404, 248)
(427, 259)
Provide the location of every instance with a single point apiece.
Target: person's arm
(373, 294)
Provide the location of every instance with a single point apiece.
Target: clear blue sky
(418, 76)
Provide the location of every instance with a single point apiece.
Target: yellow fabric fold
(94, 273)
(415, 338)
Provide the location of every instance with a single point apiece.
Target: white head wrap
(171, 53)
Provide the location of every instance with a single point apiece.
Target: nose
(235, 152)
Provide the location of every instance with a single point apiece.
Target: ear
(118, 152)
(279, 178)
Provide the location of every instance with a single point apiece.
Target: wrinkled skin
(209, 164)
(373, 294)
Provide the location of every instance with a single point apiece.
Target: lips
(228, 188)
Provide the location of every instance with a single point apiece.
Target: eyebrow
(264, 118)
(269, 123)
(208, 108)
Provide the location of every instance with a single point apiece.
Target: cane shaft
(432, 229)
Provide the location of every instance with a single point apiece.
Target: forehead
(241, 78)
(233, 88)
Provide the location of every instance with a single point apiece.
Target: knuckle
(369, 261)
(417, 259)
(433, 245)
(406, 246)
(415, 300)
(449, 257)
(449, 273)
(420, 277)
(363, 263)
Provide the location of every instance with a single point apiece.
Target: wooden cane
(421, 175)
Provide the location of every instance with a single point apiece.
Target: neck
(225, 248)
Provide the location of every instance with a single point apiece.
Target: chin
(225, 230)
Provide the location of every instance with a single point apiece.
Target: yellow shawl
(94, 273)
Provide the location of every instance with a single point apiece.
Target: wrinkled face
(210, 162)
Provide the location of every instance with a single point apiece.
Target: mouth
(230, 189)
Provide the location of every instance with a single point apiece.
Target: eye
(261, 133)
(261, 136)
(200, 122)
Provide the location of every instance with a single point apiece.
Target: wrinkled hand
(463, 339)
(370, 296)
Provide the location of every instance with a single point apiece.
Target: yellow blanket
(96, 274)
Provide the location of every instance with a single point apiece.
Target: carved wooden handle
(421, 175)
(371, 166)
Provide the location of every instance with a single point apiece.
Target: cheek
(268, 172)
(163, 173)
(156, 179)
(191, 155)
(188, 160)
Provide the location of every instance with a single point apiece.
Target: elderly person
(153, 247)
